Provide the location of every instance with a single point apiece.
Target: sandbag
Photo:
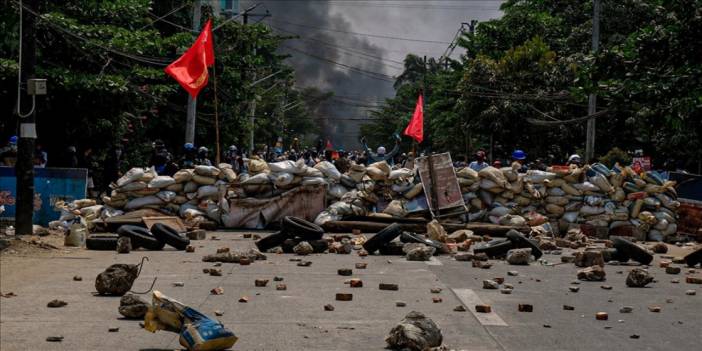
(161, 182)
(260, 178)
(467, 173)
(257, 166)
(203, 180)
(207, 191)
(313, 181)
(228, 174)
(336, 191)
(601, 182)
(376, 174)
(190, 187)
(183, 176)
(536, 176)
(329, 170)
(166, 196)
(495, 175)
(400, 173)
(396, 208)
(383, 166)
(282, 167)
(133, 186)
(131, 176)
(554, 209)
(416, 190)
(140, 202)
(283, 179)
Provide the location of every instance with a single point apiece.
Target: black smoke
(357, 89)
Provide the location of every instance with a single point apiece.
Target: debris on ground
(400, 303)
(344, 297)
(132, 306)
(638, 278)
(388, 286)
(77, 278)
(54, 338)
(519, 256)
(113, 329)
(217, 291)
(415, 332)
(117, 279)
(201, 333)
(594, 273)
(124, 245)
(56, 303)
(328, 307)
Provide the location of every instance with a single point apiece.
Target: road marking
(469, 298)
(434, 262)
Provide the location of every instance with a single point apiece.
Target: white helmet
(574, 158)
(381, 150)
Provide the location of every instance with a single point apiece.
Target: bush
(615, 155)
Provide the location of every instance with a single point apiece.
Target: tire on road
(169, 236)
(521, 241)
(319, 246)
(300, 228)
(632, 250)
(288, 245)
(382, 238)
(494, 247)
(271, 241)
(694, 258)
(141, 237)
(102, 242)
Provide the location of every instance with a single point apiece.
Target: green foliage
(615, 155)
(535, 62)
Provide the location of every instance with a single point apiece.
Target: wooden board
(171, 221)
(448, 192)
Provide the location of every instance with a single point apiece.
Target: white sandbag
(570, 217)
(586, 186)
(536, 176)
(228, 174)
(509, 173)
(661, 224)
(182, 176)
(336, 191)
(207, 192)
(383, 166)
(488, 184)
(400, 173)
(591, 210)
(313, 181)
(93, 211)
(376, 174)
(601, 182)
(467, 173)
(166, 196)
(189, 211)
(260, 178)
(655, 235)
(161, 182)
(283, 179)
(140, 202)
(329, 170)
(402, 187)
(555, 192)
(512, 220)
(671, 229)
(594, 200)
(326, 216)
(207, 171)
(660, 215)
(494, 175)
(109, 212)
(204, 180)
(396, 208)
(282, 167)
(312, 172)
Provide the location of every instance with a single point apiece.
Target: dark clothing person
(112, 167)
(380, 155)
(342, 164)
(160, 158)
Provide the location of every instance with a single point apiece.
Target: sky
(355, 48)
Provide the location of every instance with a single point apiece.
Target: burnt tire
(295, 227)
(170, 236)
(521, 241)
(494, 247)
(319, 246)
(694, 258)
(382, 238)
(632, 250)
(140, 237)
(393, 248)
(271, 241)
(288, 245)
(102, 242)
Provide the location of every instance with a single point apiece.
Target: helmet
(188, 146)
(519, 155)
(13, 139)
(574, 158)
(71, 149)
(381, 150)
(202, 149)
(233, 148)
(159, 143)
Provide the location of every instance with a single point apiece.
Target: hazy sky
(358, 68)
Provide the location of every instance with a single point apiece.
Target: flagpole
(214, 78)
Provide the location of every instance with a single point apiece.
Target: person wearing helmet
(380, 154)
(479, 162)
(202, 158)
(574, 159)
(160, 157)
(519, 161)
(8, 154)
(189, 154)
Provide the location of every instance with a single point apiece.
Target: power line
(162, 18)
(370, 74)
(361, 34)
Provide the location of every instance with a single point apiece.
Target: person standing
(8, 154)
(40, 156)
(160, 158)
(479, 162)
(519, 161)
(380, 154)
(203, 158)
(112, 167)
(87, 161)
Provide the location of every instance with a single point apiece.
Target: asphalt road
(295, 319)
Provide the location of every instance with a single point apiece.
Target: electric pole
(24, 168)
(192, 102)
(252, 105)
(592, 98)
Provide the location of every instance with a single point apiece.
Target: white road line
(434, 262)
(469, 298)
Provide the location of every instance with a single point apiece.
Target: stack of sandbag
(193, 194)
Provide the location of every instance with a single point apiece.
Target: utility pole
(192, 102)
(592, 98)
(24, 168)
(252, 105)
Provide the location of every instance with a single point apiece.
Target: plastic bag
(197, 331)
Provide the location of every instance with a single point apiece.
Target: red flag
(329, 145)
(415, 128)
(190, 70)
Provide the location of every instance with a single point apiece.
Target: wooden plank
(374, 227)
(171, 221)
(448, 192)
